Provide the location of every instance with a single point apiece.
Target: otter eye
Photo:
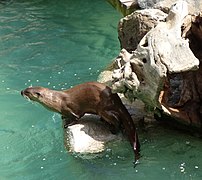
(38, 94)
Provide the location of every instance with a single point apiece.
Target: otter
(89, 97)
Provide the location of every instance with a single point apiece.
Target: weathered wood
(186, 105)
(142, 73)
(134, 27)
(128, 6)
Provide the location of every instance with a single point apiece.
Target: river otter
(90, 97)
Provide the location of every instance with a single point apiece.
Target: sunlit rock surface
(89, 135)
(128, 6)
(171, 46)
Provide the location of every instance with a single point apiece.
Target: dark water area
(58, 44)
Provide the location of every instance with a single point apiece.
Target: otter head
(34, 93)
(48, 98)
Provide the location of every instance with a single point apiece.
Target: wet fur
(91, 97)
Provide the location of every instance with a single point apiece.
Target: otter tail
(128, 125)
(131, 132)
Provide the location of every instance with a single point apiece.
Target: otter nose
(22, 92)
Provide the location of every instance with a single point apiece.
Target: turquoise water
(58, 44)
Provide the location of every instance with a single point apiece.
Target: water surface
(58, 44)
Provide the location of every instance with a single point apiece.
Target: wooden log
(145, 73)
(186, 106)
(128, 6)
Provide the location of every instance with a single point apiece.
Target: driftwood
(128, 6)
(184, 101)
(162, 70)
(134, 27)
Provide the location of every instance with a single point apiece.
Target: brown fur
(90, 97)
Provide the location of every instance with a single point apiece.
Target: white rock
(90, 135)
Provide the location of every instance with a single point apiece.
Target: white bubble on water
(108, 150)
(182, 164)
(182, 169)
(187, 142)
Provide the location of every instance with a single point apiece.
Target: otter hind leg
(112, 120)
(68, 121)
